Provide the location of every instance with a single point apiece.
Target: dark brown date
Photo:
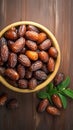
(40, 75)
(21, 30)
(58, 79)
(32, 28)
(12, 60)
(36, 65)
(31, 45)
(22, 83)
(28, 74)
(2, 71)
(32, 83)
(4, 53)
(45, 45)
(17, 45)
(21, 71)
(3, 41)
(42, 105)
(24, 60)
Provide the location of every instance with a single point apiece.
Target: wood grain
(56, 15)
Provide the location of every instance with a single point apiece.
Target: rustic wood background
(56, 15)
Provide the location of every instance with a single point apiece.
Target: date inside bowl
(29, 56)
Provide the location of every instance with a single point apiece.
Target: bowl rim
(52, 75)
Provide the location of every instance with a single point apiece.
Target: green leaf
(49, 97)
(42, 95)
(63, 99)
(64, 84)
(49, 87)
(68, 92)
(53, 91)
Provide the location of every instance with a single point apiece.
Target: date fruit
(28, 74)
(11, 34)
(22, 83)
(40, 75)
(32, 35)
(53, 52)
(12, 60)
(12, 74)
(32, 55)
(4, 52)
(58, 79)
(21, 30)
(51, 64)
(32, 28)
(2, 71)
(32, 83)
(45, 45)
(57, 101)
(31, 45)
(24, 60)
(18, 45)
(53, 111)
(43, 56)
(36, 65)
(42, 105)
(42, 37)
(21, 71)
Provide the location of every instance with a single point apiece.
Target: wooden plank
(42, 13)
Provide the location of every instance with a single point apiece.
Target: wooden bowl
(51, 76)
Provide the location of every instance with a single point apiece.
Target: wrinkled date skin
(31, 45)
(22, 83)
(4, 53)
(36, 65)
(21, 30)
(24, 60)
(43, 56)
(40, 75)
(12, 74)
(58, 79)
(32, 28)
(32, 83)
(42, 105)
(45, 45)
(32, 35)
(18, 45)
(12, 60)
(27, 56)
(21, 71)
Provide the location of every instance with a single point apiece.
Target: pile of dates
(27, 56)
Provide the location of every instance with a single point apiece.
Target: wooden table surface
(57, 16)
